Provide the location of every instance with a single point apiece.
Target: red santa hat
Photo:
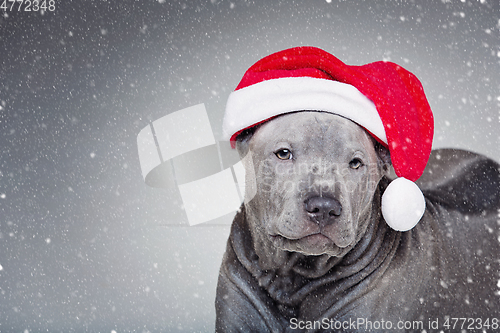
(382, 97)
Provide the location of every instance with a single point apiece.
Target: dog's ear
(384, 156)
(243, 141)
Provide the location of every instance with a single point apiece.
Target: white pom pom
(403, 204)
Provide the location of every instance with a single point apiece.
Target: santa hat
(382, 97)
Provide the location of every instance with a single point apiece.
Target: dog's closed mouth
(315, 243)
(317, 235)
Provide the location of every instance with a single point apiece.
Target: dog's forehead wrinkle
(324, 123)
(313, 134)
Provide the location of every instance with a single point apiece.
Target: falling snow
(83, 241)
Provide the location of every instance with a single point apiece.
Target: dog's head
(312, 177)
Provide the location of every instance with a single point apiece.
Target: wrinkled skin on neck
(304, 155)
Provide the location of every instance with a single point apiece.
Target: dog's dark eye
(283, 154)
(356, 163)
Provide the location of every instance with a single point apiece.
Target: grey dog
(309, 249)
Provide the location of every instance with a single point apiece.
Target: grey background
(85, 245)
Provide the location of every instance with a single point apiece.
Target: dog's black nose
(323, 209)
